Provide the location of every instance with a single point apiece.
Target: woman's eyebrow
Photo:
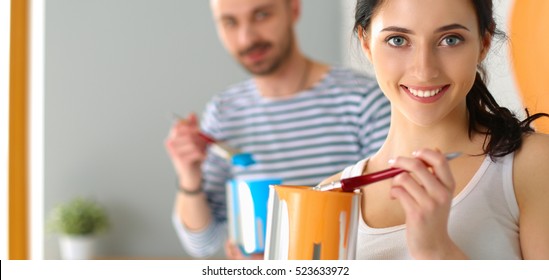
(397, 29)
(440, 29)
(451, 27)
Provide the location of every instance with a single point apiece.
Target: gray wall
(114, 71)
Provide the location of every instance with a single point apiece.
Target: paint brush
(353, 183)
(223, 150)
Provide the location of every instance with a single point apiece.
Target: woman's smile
(425, 94)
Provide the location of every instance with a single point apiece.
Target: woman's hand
(425, 193)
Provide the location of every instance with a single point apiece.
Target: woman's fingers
(425, 194)
(407, 201)
(431, 174)
(439, 164)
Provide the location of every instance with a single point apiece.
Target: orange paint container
(306, 224)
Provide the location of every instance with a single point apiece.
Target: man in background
(301, 119)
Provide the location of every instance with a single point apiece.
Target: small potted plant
(78, 222)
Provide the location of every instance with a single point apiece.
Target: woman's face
(425, 54)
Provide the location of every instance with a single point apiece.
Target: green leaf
(79, 216)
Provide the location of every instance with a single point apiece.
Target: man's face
(258, 33)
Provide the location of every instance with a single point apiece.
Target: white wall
(114, 72)
(501, 82)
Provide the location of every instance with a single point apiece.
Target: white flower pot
(77, 247)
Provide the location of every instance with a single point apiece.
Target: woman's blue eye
(451, 41)
(397, 41)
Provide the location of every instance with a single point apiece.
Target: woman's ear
(486, 42)
(364, 43)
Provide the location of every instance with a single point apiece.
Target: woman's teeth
(424, 93)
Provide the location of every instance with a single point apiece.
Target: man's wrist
(186, 191)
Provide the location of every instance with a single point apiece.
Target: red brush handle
(203, 135)
(206, 137)
(350, 184)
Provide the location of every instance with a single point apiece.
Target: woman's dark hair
(485, 115)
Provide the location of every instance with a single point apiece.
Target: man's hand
(233, 253)
(187, 151)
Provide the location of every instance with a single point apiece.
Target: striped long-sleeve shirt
(301, 140)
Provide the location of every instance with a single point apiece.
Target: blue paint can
(247, 203)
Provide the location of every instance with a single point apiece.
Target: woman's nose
(426, 64)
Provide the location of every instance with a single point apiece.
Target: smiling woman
(431, 69)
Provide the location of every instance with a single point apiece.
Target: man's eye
(229, 22)
(261, 15)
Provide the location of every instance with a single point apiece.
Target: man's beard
(273, 64)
